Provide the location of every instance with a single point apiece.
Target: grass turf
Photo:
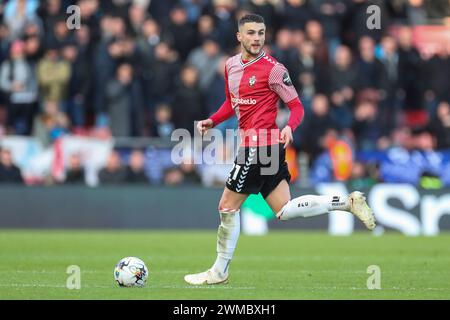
(281, 265)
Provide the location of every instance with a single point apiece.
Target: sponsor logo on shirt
(248, 101)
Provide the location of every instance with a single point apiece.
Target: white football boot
(210, 276)
(359, 207)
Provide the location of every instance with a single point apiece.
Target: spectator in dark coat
(330, 13)
(206, 28)
(371, 73)
(75, 173)
(283, 49)
(366, 126)
(184, 174)
(60, 35)
(409, 67)
(108, 53)
(50, 12)
(440, 125)
(149, 37)
(307, 70)
(116, 7)
(9, 173)
(182, 32)
(266, 9)
(33, 48)
(343, 77)
(161, 74)
(314, 33)
(113, 172)
(295, 14)
(137, 13)
(316, 125)
(79, 84)
(5, 41)
(191, 175)
(187, 104)
(437, 75)
(125, 103)
(160, 9)
(390, 106)
(135, 169)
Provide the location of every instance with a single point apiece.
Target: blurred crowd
(142, 68)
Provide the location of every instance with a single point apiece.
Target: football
(131, 272)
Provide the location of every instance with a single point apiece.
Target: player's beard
(248, 49)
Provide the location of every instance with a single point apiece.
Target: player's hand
(286, 136)
(204, 125)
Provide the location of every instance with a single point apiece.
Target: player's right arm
(225, 111)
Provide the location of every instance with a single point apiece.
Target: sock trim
(281, 212)
(225, 210)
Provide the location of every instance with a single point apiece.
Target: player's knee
(280, 206)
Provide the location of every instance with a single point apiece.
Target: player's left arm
(280, 82)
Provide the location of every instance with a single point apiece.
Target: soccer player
(255, 82)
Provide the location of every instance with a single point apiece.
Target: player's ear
(238, 36)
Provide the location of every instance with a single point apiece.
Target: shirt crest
(252, 81)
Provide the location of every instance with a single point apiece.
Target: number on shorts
(236, 169)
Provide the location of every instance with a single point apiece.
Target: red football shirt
(253, 90)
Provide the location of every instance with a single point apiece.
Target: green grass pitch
(281, 265)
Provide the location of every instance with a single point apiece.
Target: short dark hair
(250, 18)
